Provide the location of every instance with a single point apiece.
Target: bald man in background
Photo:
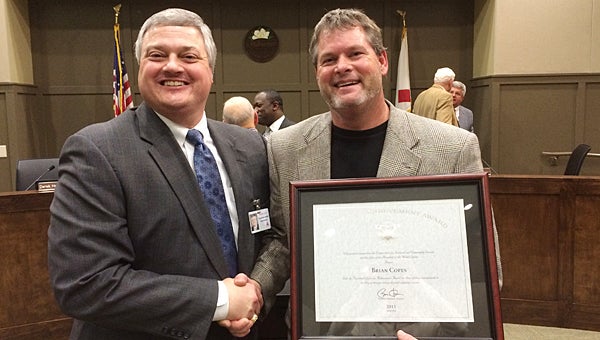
(239, 111)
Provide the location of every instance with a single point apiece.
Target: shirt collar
(180, 132)
(277, 124)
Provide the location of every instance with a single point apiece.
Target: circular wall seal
(261, 44)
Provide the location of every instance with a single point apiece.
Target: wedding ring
(254, 318)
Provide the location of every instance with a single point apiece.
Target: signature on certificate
(385, 293)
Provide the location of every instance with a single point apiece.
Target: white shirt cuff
(222, 303)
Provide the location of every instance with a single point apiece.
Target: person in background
(436, 101)
(269, 108)
(239, 111)
(464, 115)
(133, 251)
(363, 135)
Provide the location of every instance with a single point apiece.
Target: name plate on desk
(47, 186)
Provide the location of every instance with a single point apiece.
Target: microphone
(50, 168)
(489, 166)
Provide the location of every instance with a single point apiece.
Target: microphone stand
(50, 168)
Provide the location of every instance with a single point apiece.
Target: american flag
(122, 99)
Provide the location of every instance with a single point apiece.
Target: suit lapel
(170, 159)
(314, 161)
(397, 159)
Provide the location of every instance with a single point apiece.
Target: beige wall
(535, 70)
(536, 37)
(15, 54)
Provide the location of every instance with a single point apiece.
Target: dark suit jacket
(132, 249)
(286, 122)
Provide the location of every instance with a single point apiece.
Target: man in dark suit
(132, 248)
(464, 115)
(269, 107)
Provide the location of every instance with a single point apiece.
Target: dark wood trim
(549, 242)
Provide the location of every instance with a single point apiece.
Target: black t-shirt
(356, 153)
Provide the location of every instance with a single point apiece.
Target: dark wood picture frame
(472, 188)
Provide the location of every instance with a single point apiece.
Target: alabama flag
(403, 98)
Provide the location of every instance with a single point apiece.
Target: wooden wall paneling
(534, 118)
(28, 306)
(527, 218)
(238, 68)
(518, 116)
(316, 103)
(6, 167)
(30, 128)
(586, 252)
(23, 129)
(549, 241)
(75, 81)
(72, 43)
(212, 109)
(76, 111)
(480, 96)
(535, 113)
(591, 125)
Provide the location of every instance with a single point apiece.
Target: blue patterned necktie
(207, 174)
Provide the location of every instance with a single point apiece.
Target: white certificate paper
(392, 262)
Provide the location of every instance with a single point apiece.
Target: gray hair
(342, 19)
(459, 85)
(178, 17)
(444, 75)
(237, 110)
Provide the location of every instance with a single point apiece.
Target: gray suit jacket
(132, 249)
(465, 118)
(413, 146)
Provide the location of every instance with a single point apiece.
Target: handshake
(245, 303)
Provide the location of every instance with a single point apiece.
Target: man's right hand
(244, 300)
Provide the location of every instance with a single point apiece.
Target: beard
(336, 102)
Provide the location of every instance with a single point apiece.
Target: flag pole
(122, 99)
(117, 9)
(117, 31)
(403, 15)
(403, 95)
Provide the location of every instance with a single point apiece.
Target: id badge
(259, 220)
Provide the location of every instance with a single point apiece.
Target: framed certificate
(371, 256)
